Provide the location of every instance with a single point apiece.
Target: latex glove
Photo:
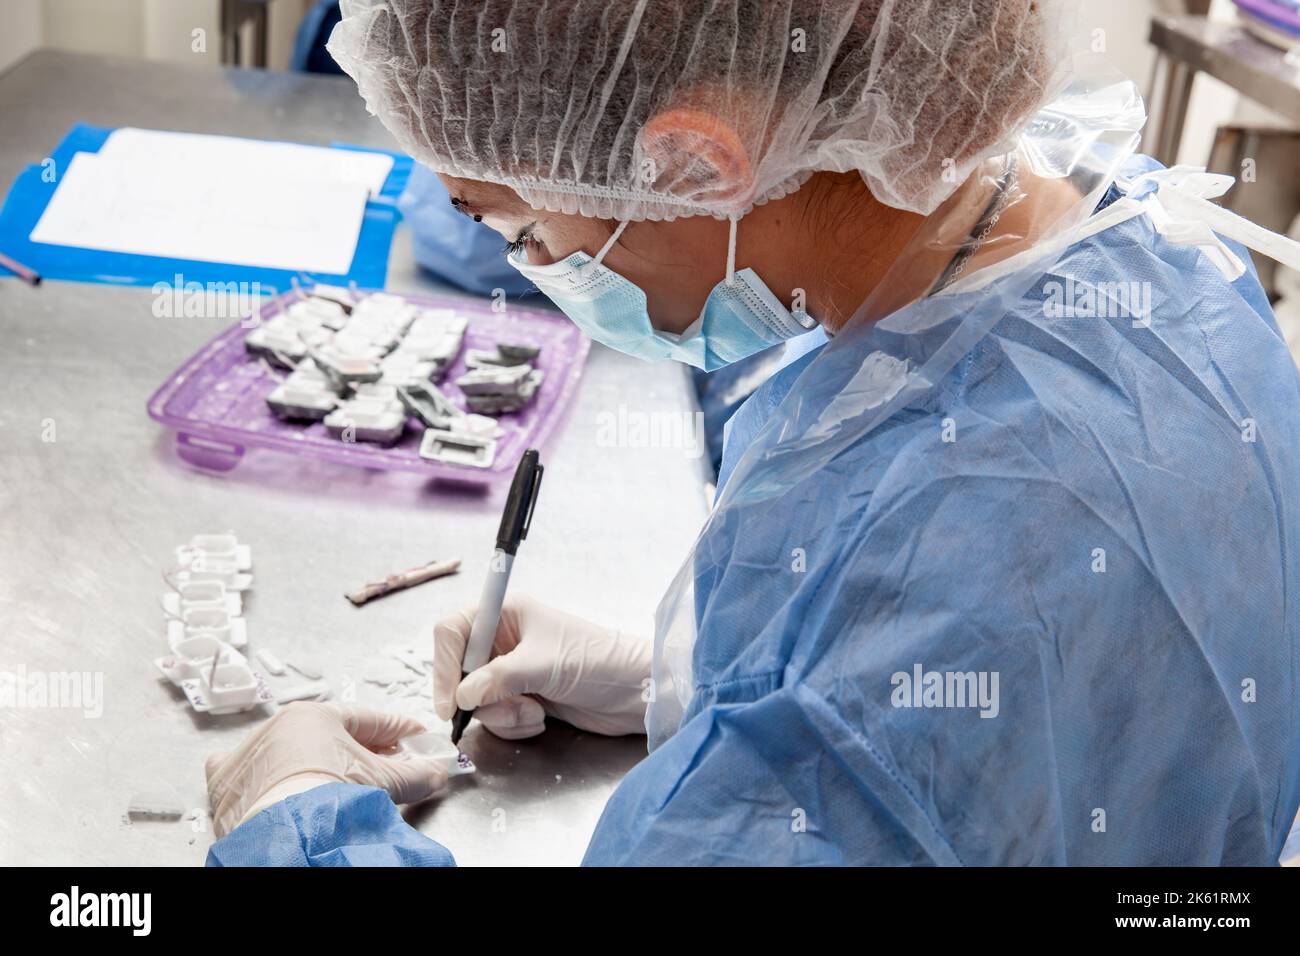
(309, 744)
(544, 662)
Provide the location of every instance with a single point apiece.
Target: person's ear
(692, 154)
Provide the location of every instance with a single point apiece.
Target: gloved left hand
(308, 744)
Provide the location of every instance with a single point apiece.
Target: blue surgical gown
(1100, 514)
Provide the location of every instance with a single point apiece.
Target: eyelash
(519, 243)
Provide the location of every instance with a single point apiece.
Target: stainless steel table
(88, 522)
(1226, 51)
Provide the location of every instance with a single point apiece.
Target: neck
(828, 245)
(856, 259)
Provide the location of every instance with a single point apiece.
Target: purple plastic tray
(216, 401)
(1280, 15)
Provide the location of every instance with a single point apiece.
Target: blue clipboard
(31, 193)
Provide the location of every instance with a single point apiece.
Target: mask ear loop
(609, 243)
(731, 253)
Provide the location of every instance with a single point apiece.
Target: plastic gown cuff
(337, 824)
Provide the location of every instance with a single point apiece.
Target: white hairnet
(654, 109)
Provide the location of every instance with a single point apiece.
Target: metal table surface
(1227, 51)
(88, 522)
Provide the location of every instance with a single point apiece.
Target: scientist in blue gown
(1003, 565)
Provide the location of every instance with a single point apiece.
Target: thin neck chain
(986, 223)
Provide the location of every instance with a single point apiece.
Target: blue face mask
(740, 317)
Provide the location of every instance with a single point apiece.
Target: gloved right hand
(544, 662)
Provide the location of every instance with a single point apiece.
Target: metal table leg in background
(1173, 114)
(234, 14)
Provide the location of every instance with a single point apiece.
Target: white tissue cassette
(235, 687)
(210, 622)
(495, 379)
(335, 294)
(215, 557)
(309, 373)
(382, 334)
(382, 338)
(458, 447)
(436, 336)
(497, 389)
(438, 746)
(228, 688)
(483, 358)
(482, 425)
(348, 359)
(427, 403)
(276, 336)
(215, 569)
(201, 594)
(303, 398)
(354, 345)
(374, 415)
(487, 402)
(221, 546)
(384, 305)
(319, 311)
(191, 657)
(206, 627)
(403, 369)
(289, 335)
(383, 324)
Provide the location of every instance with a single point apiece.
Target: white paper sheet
(247, 157)
(215, 199)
